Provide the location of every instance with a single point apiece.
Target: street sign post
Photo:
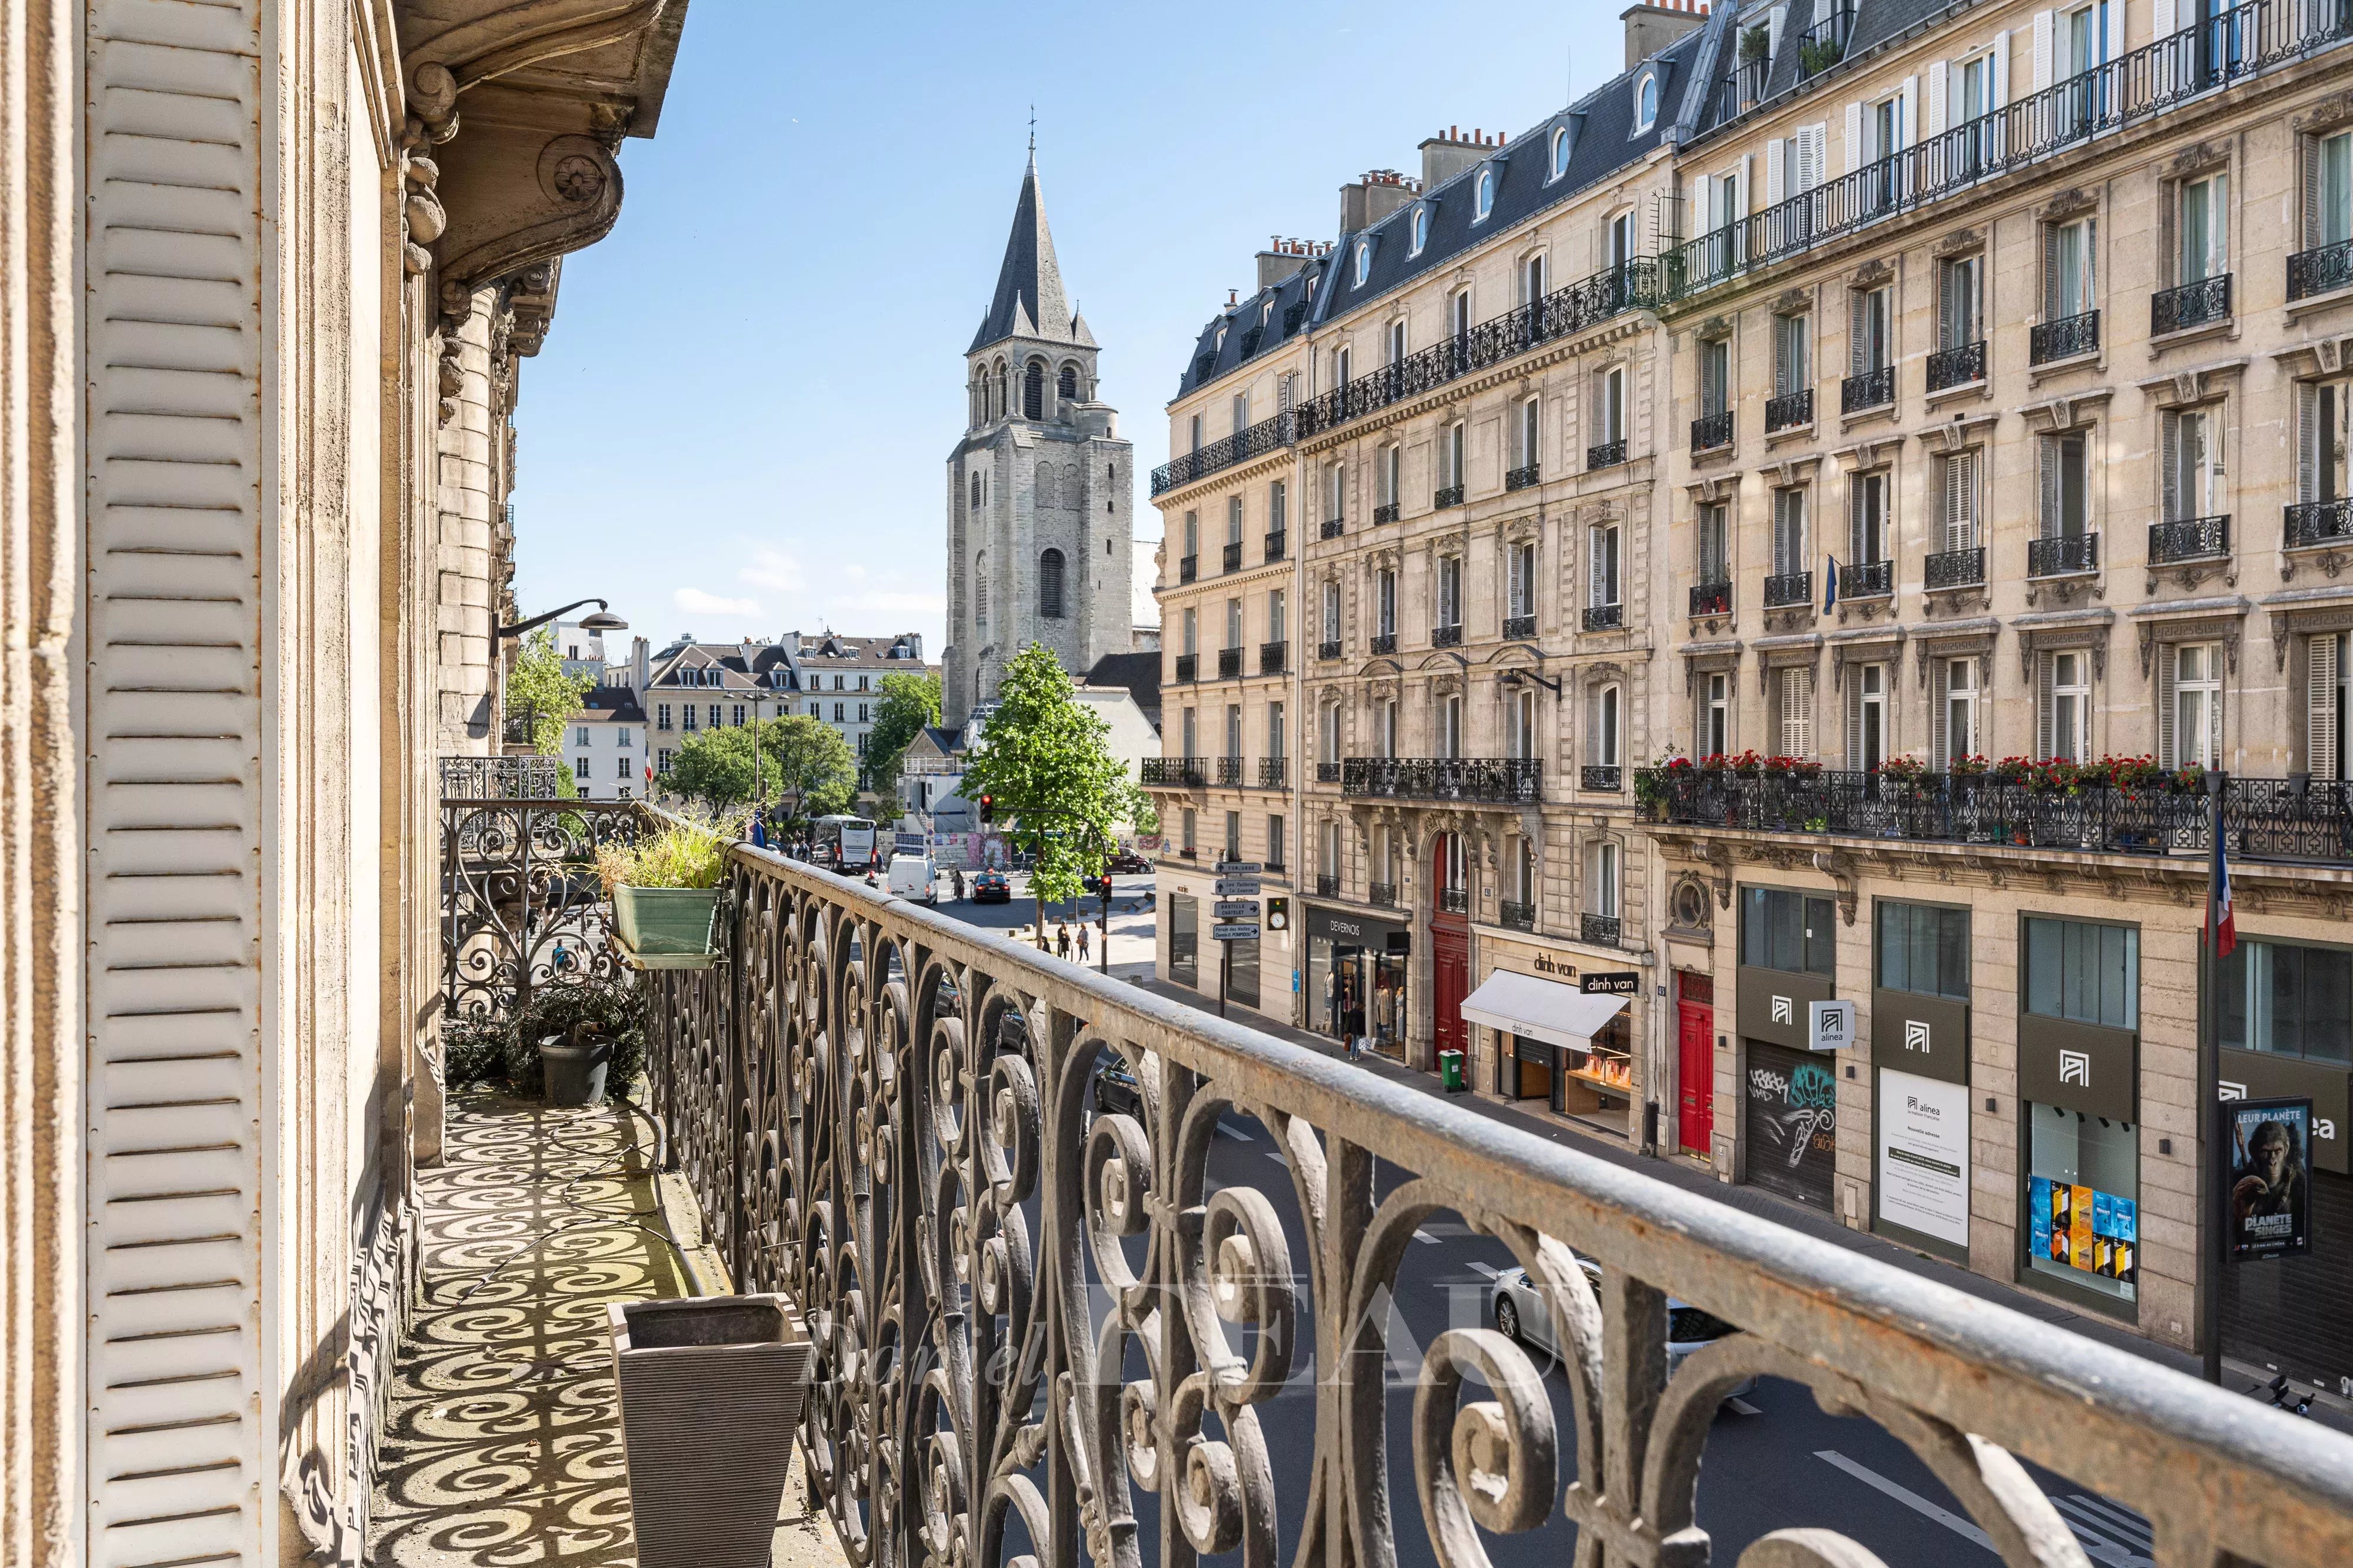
(1238, 887)
(1238, 867)
(1235, 908)
(1239, 930)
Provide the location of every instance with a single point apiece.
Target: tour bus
(844, 844)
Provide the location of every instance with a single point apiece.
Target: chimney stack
(1652, 27)
(1380, 193)
(1282, 257)
(1443, 157)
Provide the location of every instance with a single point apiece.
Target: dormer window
(1421, 228)
(1646, 101)
(1364, 261)
(1482, 196)
(1220, 342)
(1562, 145)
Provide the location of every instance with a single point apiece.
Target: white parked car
(1522, 1316)
(914, 876)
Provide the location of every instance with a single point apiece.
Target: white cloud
(695, 602)
(772, 568)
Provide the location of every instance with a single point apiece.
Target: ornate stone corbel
(2196, 160)
(1793, 302)
(2067, 204)
(1838, 866)
(1872, 274)
(1719, 860)
(1961, 243)
(2332, 110)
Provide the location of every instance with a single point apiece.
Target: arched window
(1003, 388)
(1646, 101)
(976, 492)
(1421, 228)
(1364, 261)
(980, 589)
(1033, 390)
(1049, 586)
(1069, 383)
(1562, 145)
(1482, 199)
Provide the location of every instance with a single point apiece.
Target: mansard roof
(1029, 301)
(1875, 23)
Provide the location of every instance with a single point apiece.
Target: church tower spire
(1028, 281)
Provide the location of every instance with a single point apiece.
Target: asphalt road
(1774, 1460)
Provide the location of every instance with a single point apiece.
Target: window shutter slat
(2049, 455)
(1854, 331)
(2307, 441)
(2042, 50)
(2043, 705)
(2170, 462)
(1854, 720)
(1773, 180)
(2165, 24)
(1941, 703)
(2168, 742)
(2311, 149)
(2054, 307)
(1935, 121)
(2320, 705)
(1853, 137)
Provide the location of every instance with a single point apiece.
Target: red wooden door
(1695, 1076)
(1450, 982)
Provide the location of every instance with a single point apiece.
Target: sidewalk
(1694, 1177)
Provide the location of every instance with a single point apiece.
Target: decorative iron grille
(500, 778)
(2320, 270)
(1186, 665)
(1273, 772)
(1711, 598)
(521, 908)
(1518, 628)
(2047, 340)
(1274, 545)
(1788, 588)
(1454, 900)
(1867, 580)
(1608, 455)
(1524, 477)
(2061, 554)
(1385, 512)
(1957, 367)
(1384, 642)
(2319, 522)
(1789, 410)
(1334, 527)
(1234, 556)
(1327, 773)
(1955, 568)
(1188, 568)
(1603, 778)
(1602, 931)
(1710, 431)
(1450, 495)
(1604, 617)
(1382, 893)
(2188, 540)
(1230, 771)
(1230, 662)
(1328, 648)
(1519, 916)
(1272, 656)
(1446, 636)
(2190, 305)
(1497, 780)
(1326, 886)
(1872, 389)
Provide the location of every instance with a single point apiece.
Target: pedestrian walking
(1082, 944)
(1062, 940)
(958, 874)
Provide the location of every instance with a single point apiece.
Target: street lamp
(601, 622)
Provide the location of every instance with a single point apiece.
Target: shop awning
(1540, 1009)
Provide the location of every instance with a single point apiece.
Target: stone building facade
(1041, 488)
(272, 272)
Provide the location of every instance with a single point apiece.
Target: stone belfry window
(1033, 390)
(1070, 388)
(1049, 586)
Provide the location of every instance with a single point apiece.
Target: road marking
(1236, 1133)
(1278, 1156)
(2114, 1518)
(1425, 1236)
(1907, 1497)
(1484, 1270)
(1742, 1407)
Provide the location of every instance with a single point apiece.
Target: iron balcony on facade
(1454, 900)
(1608, 455)
(1710, 431)
(1275, 544)
(1955, 568)
(1956, 366)
(1385, 512)
(1272, 656)
(1273, 772)
(1327, 773)
(1452, 495)
(1446, 636)
(1385, 894)
(1188, 568)
(1711, 598)
(1274, 866)
(1871, 389)
(1328, 648)
(1174, 772)
(1867, 580)
(1524, 478)
(2297, 819)
(2062, 554)
(1326, 886)
(2063, 339)
(1384, 642)
(1230, 662)
(1823, 45)
(1189, 852)
(2191, 539)
(1519, 916)
(1230, 771)
(2319, 522)
(2190, 305)
(1788, 588)
(1234, 556)
(1186, 665)
(1517, 628)
(2320, 271)
(1601, 778)
(1334, 527)
(1507, 781)
(1601, 930)
(1789, 410)
(1266, 436)
(1604, 617)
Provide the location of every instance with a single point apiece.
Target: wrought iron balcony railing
(1334, 527)
(2320, 270)
(1234, 556)
(1710, 431)
(1327, 773)
(1788, 588)
(861, 1129)
(1823, 45)
(1711, 598)
(1955, 568)
(2071, 335)
(1230, 771)
(1273, 772)
(1275, 544)
(1454, 900)
(1960, 366)
(1327, 885)
(1602, 778)
(1867, 580)
(1446, 496)
(1328, 648)
(1511, 781)
(2062, 554)
(2296, 819)
(2224, 48)
(1387, 512)
(1602, 931)
(1384, 642)
(1446, 636)
(2318, 522)
(1871, 389)
(1176, 772)
(1518, 628)
(2190, 305)
(1230, 662)
(2188, 540)
(1384, 894)
(499, 778)
(1266, 436)
(1272, 656)
(1604, 617)
(1524, 477)
(1187, 665)
(1188, 567)
(1606, 455)
(1517, 915)
(1789, 410)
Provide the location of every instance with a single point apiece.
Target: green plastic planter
(666, 928)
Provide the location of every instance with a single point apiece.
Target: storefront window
(1923, 949)
(2289, 1001)
(2083, 973)
(1184, 940)
(1242, 979)
(2083, 1207)
(1787, 931)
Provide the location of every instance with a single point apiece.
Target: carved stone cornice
(2196, 160)
(2192, 384)
(1946, 438)
(2326, 114)
(1876, 452)
(2225, 627)
(1793, 302)
(1715, 487)
(1872, 274)
(2068, 203)
(2064, 413)
(1960, 242)
(2056, 631)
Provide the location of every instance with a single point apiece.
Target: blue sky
(739, 422)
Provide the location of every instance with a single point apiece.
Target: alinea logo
(1915, 1035)
(1783, 1010)
(2232, 1090)
(2075, 1067)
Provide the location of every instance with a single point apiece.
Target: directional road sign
(1235, 908)
(1239, 886)
(1238, 867)
(1245, 930)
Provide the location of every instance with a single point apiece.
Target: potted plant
(711, 1389)
(665, 890)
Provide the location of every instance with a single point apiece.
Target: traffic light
(987, 808)
(1278, 914)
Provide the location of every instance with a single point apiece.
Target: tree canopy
(537, 685)
(910, 703)
(803, 764)
(1046, 758)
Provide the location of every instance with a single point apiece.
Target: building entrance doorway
(1695, 1076)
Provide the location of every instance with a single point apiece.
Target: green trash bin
(1449, 1071)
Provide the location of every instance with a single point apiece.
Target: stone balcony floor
(503, 1443)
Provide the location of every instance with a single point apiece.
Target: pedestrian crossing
(2110, 1532)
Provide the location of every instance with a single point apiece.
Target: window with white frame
(1454, 452)
(1520, 579)
(1419, 229)
(1233, 622)
(1385, 605)
(1789, 545)
(2067, 260)
(1195, 432)
(1532, 279)
(1396, 341)
(1335, 493)
(2327, 189)
(1343, 359)
(1870, 537)
(1601, 555)
(1482, 196)
(1458, 313)
(1646, 101)
(1277, 732)
(1187, 839)
(1866, 717)
(1602, 726)
(1618, 240)
(1385, 726)
(2192, 464)
(1330, 733)
(1364, 261)
(661, 716)
(1793, 360)
(1275, 496)
(2066, 484)
(1520, 724)
(2190, 705)
(1331, 611)
(580, 736)
(1449, 718)
(1603, 890)
(1449, 590)
(1562, 145)
(2323, 439)
(1189, 641)
(1240, 412)
(1531, 439)
(1327, 850)
(2327, 669)
(2064, 704)
(1957, 716)
(1792, 691)
(1277, 837)
(1714, 376)
(2201, 222)
(1233, 520)
(1391, 470)
(1609, 410)
(1959, 292)
(1233, 729)
(1714, 737)
(1524, 871)
(1714, 549)
(1278, 616)
(1870, 330)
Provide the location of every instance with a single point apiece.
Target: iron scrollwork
(520, 907)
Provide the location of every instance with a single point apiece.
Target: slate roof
(1139, 673)
(1029, 301)
(839, 651)
(1876, 23)
(618, 703)
(742, 667)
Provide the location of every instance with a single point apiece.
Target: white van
(914, 876)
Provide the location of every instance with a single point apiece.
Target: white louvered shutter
(2169, 466)
(1797, 712)
(1854, 332)
(2048, 451)
(1960, 496)
(2053, 307)
(2308, 149)
(2321, 739)
(2167, 743)
(1814, 143)
(1773, 183)
(1705, 198)
(2042, 50)
(2307, 441)
(1855, 719)
(2000, 94)
(1934, 123)
(1854, 159)
(1941, 703)
(2043, 705)
(2164, 18)
(176, 1465)
(1908, 129)
(2115, 50)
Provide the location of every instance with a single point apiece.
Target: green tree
(910, 703)
(802, 763)
(1046, 759)
(537, 686)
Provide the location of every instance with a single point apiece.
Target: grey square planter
(711, 1389)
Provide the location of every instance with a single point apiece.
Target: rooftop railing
(1029, 1309)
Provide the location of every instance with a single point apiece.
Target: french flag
(2220, 926)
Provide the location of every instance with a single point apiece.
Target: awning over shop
(1540, 1009)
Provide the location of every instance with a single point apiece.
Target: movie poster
(2084, 1228)
(2271, 1183)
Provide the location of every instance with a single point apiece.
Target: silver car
(1522, 1316)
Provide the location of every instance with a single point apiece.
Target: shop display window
(2289, 1001)
(2082, 1200)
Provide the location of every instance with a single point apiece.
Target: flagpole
(2212, 1182)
